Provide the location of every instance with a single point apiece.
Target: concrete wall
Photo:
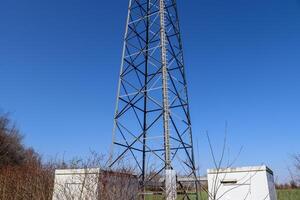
(76, 184)
(246, 183)
(94, 184)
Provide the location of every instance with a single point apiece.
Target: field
(288, 194)
(281, 195)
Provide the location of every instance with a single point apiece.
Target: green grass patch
(281, 195)
(288, 194)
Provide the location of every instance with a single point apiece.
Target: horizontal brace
(128, 147)
(170, 107)
(142, 18)
(172, 149)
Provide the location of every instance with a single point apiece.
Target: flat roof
(240, 169)
(90, 171)
(77, 171)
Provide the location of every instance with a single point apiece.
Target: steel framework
(152, 126)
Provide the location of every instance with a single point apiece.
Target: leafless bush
(22, 175)
(297, 162)
(220, 165)
(26, 182)
(220, 176)
(12, 151)
(297, 167)
(286, 186)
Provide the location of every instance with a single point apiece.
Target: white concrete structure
(245, 183)
(76, 184)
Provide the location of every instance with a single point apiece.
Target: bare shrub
(12, 151)
(297, 166)
(26, 182)
(22, 174)
(221, 174)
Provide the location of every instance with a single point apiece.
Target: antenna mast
(152, 127)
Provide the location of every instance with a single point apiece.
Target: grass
(281, 195)
(203, 196)
(288, 194)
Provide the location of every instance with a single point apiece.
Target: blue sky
(59, 64)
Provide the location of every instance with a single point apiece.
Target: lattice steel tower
(152, 126)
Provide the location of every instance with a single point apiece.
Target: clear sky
(59, 64)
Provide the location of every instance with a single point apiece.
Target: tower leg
(171, 185)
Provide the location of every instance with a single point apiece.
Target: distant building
(202, 179)
(188, 182)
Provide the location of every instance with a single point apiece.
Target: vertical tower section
(152, 127)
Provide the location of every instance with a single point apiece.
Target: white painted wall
(76, 184)
(245, 183)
